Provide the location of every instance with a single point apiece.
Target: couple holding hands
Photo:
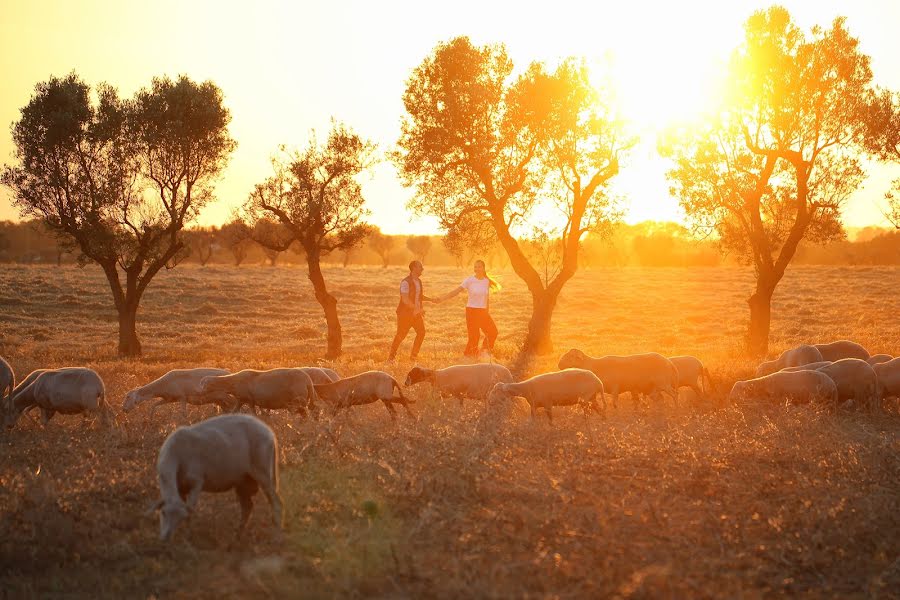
(478, 318)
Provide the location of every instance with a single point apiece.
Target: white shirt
(404, 289)
(478, 291)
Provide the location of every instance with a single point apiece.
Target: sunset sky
(288, 67)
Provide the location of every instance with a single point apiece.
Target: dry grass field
(693, 500)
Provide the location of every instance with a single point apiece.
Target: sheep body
(559, 388)
(226, 452)
(793, 357)
(275, 388)
(877, 359)
(691, 373)
(7, 382)
(461, 381)
(888, 374)
(807, 367)
(69, 390)
(855, 380)
(649, 373)
(364, 388)
(178, 385)
(835, 351)
(320, 374)
(799, 387)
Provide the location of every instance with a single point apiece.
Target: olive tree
(882, 139)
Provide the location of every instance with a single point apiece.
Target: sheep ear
(156, 506)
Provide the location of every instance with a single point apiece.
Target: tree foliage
(882, 139)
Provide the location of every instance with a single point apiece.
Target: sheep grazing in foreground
(320, 374)
(855, 380)
(561, 388)
(649, 373)
(7, 382)
(888, 374)
(877, 359)
(364, 388)
(461, 381)
(691, 373)
(793, 357)
(178, 385)
(835, 351)
(70, 390)
(798, 387)
(226, 452)
(275, 388)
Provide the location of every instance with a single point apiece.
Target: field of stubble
(694, 500)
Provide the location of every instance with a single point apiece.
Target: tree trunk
(761, 315)
(129, 345)
(327, 301)
(537, 341)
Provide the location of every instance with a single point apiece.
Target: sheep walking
(365, 388)
(68, 391)
(178, 385)
(798, 387)
(649, 373)
(461, 381)
(691, 373)
(226, 452)
(275, 388)
(7, 382)
(560, 388)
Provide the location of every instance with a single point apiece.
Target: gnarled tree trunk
(326, 300)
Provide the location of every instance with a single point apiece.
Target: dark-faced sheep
(227, 452)
(461, 381)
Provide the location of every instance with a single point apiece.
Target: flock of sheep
(240, 452)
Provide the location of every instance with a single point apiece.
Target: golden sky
(288, 67)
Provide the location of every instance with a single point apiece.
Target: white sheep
(877, 359)
(178, 385)
(7, 382)
(649, 373)
(799, 387)
(835, 351)
(888, 374)
(691, 373)
(69, 390)
(461, 381)
(226, 452)
(275, 388)
(793, 357)
(365, 388)
(855, 380)
(560, 388)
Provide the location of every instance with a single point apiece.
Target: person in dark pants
(410, 314)
(478, 316)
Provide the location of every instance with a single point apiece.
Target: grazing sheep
(461, 381)
(888, 374)
(7, 382)
(226, 452)
(691, 373)
(70, 390)
(275, 388)
(877, 359)
(794, 357)
(364, 388)
(855, 380)
(178, 385)
(842, 349)
(560, 388)
(799, 387)
(809, 367)
(320, 374)
(649, 373)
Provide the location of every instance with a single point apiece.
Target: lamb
(275, 388)
(560, 388)
(877, 359)
(7, 382)
(855, 380)
(178, 385)
(364, 388)
(69, 390)
(638, 373)
(799, 387)
(691, 373)
(794, 357)
(888, 374)
(226, 452)
(835, 351)
(461, 381)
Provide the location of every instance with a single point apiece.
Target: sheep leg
(275, 501)
(596, 406)
(548, 406)
(46, 415)
(405, 404)
(389, 406)
(195, 487)
(245, 493)
(615, 396)
(159, 402)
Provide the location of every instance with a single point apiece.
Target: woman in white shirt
(478, 316)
